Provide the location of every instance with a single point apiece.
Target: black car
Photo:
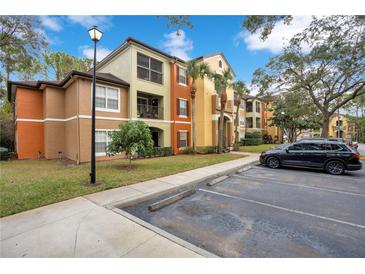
(334, 157)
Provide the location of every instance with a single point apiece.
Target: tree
(132, 137)
(264, 23)
(194, 71)
(6, 127)
(326, 61)
(240, 90)
(20, 43)
(356, 116)
(293, 113)
(178, 22)
(61, 63)
(221, 82)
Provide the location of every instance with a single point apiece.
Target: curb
(147, 196)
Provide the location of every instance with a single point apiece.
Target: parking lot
(270, 213)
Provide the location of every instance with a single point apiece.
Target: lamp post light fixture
(95, 35)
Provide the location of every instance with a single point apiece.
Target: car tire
(335, 167)
(272, 162)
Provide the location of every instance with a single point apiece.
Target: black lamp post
(95, 36)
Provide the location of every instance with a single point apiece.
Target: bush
(155, 152)
(207, 149)
(253, 135)
(251, 142)
(267, 139)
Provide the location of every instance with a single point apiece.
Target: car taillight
(355, 156)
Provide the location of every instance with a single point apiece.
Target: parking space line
(275, 181)
(283, 208)
(295, 172)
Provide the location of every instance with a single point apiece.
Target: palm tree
(240, 90)
(221, 82)
(194, 71)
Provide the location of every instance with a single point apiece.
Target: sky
(245, 52)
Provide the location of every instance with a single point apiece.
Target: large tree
(195, 71)
(61, 63)
(222, 82)
(326, 61)
(293, 113)
(240, 91)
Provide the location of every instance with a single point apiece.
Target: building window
(182, 139)
(242, 105)
(249, 122)
(181, 76)
(107, 98)
(249, 106)
(182, 107)
(242, 121)
(220, 64)
(258, 106)
(149, 69)
(258, 122)
(102, 140)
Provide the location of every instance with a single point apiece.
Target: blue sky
(209, 34)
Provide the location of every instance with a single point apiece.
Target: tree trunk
(325, 126)
(130, 161)
(237, 134)
(221, 122)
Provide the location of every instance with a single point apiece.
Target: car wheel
(273, 162)
(335, 167)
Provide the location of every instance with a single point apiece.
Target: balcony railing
(149, 112)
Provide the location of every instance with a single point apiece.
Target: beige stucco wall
(53, 102)
(54, 139)
(118, 67)
(71, 140)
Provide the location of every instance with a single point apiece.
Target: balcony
(216, 104)
(146, 111)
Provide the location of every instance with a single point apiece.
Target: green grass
(257, 149)
(28, 184)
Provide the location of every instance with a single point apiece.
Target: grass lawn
(28, 184)
(257, 149)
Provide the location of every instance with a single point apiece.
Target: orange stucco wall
(30, 135)
(178, 91)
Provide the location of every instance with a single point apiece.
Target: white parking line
(274, 181)
(283, 208)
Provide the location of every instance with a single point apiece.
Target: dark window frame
(149, 69)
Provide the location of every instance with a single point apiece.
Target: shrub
(253, 135)
(250, 142)
(206, 149)
(267, 139)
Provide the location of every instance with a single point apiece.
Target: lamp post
(95, 36)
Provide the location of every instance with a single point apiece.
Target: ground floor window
(258, 122)
(102, 140)
(182, 139)
(249, 122)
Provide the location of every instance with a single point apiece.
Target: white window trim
(186, 77)
(104, 130)
(106, 99)
(150, 69)
(186, 100)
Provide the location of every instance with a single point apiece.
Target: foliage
(326, 62)
(6, 127)
(155, 152)
(132, 137)
(20, 45)
(201, 150)
(61, 63)
(264, 24)
(250, 141)
(293, 112)
(253, 135)
(178, 22)
(257, 149)
(267, 139)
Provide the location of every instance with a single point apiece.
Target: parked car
(4, 153)
(323, 139)
(333, 157)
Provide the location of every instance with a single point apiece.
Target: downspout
(78, 121)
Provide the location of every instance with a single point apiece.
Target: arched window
(220, 63)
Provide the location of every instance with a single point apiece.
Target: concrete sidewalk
(87, 227)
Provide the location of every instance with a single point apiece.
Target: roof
(126, 43)
(215, 54)
(106, 77)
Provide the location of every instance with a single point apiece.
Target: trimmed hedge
(201, 150)
(156, 152)
(250, 142)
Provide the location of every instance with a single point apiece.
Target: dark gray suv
(334, 157)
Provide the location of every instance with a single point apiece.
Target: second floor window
(149, 69)
(258, 106)
(107, 98)
(182, 107)
(249, 122)
(249, 106)
(181, 76)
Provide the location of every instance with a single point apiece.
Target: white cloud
(279, 37)
(103, 22)
(51, 22)
(88, 52)
(177, 44)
